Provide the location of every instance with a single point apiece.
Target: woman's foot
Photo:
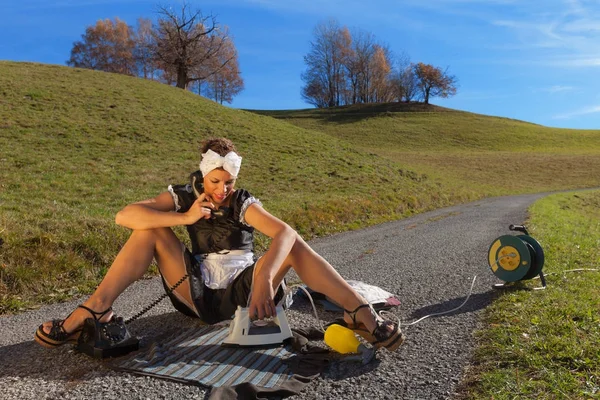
(374, 329)
(58, 332)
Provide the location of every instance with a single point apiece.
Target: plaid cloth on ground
(195, 356)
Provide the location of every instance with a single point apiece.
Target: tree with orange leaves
(345, 69)
(380, 90)
(324, 76)
(433, 82)
(107, 46)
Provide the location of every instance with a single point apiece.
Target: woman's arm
(283, 239)
(158, 212)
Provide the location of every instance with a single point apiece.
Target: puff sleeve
(183, 197)
(242, 201)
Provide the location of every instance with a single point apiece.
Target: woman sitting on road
(221, 266)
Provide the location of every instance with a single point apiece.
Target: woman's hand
(200, 209)
(262, 303)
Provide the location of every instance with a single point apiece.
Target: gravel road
(428, 261)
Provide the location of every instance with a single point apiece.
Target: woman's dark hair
(222, 146)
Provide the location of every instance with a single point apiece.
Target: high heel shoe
(58, 335)
(386, 334)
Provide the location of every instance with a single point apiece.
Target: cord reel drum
(516, 258)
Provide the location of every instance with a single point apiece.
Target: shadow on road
(30, 360)
(476, 302)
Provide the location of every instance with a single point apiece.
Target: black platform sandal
(58, 336)
(382, 335)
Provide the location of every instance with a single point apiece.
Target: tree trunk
(182, 78)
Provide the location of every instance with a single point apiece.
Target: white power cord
(313, 306)
(463, 303)
(570, 270)
(449, 311)
(389, 314)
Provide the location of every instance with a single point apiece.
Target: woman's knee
(153, 235)
(299, 249)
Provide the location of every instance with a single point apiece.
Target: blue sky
(531, 60)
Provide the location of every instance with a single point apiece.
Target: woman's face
(218, 185)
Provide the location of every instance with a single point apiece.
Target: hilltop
(492, 155)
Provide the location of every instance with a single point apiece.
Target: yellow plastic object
(341, 339)
(510, 258)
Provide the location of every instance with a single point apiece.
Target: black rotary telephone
(112, 339)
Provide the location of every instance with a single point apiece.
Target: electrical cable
(313, 306)
(569, 270)
(464, 302)
(449, 311)
(390, 314)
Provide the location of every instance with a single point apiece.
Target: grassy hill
(491, 155)
(77, 145)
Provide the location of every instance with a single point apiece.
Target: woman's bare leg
(130, 265)
(321, 277)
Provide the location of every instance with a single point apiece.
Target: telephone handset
(198, 189)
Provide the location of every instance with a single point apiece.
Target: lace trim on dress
(175, 198)
(247, 203)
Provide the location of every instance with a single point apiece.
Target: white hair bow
(230, 163)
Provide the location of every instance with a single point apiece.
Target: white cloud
(557, 89)
(577, 113)
(581, 61)
(555, 33)
(582, 26)
(575, 28)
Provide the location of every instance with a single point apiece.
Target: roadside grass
(491, 155)
(545, 344)
(77, 145)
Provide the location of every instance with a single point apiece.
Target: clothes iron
(106, 339)
(244, 332)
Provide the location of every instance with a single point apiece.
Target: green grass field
(491, 155)
(78, 145)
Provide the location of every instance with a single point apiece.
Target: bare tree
(143, 52)
(227, 82)
(360, 67)
(410, 84)
(404, 82)
(186, 42)
(401, 63)
(324, 76)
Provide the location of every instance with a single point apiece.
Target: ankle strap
(97, 315)
(352, 314)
